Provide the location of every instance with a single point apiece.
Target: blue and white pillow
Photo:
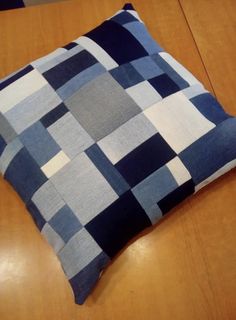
(104, 136)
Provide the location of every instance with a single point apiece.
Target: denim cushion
(103, 137)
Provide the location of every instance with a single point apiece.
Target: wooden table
(185, 268)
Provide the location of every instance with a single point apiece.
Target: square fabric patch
(103, 137)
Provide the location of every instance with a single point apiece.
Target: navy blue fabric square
(182, 84)
(70, 45)
(126, 75)
(12, 4)
(128, 6)
(164, 85)
(118, 223)
(54, 115)
(25, 174)
(69, 68)
(36, 215)
(65, 223)
(118, 42)
(145, 159)
(176, 196)
(87, 278)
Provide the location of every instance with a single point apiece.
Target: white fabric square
(178, 170)
(55, 164)
(178, 121)
(144, 94)
(127, 137)
(20, 89)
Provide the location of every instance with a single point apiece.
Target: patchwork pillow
(103, 137)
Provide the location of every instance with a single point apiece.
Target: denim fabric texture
(103, 137)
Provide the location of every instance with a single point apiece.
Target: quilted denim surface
(104, 136)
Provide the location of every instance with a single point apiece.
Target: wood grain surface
(183, 268)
